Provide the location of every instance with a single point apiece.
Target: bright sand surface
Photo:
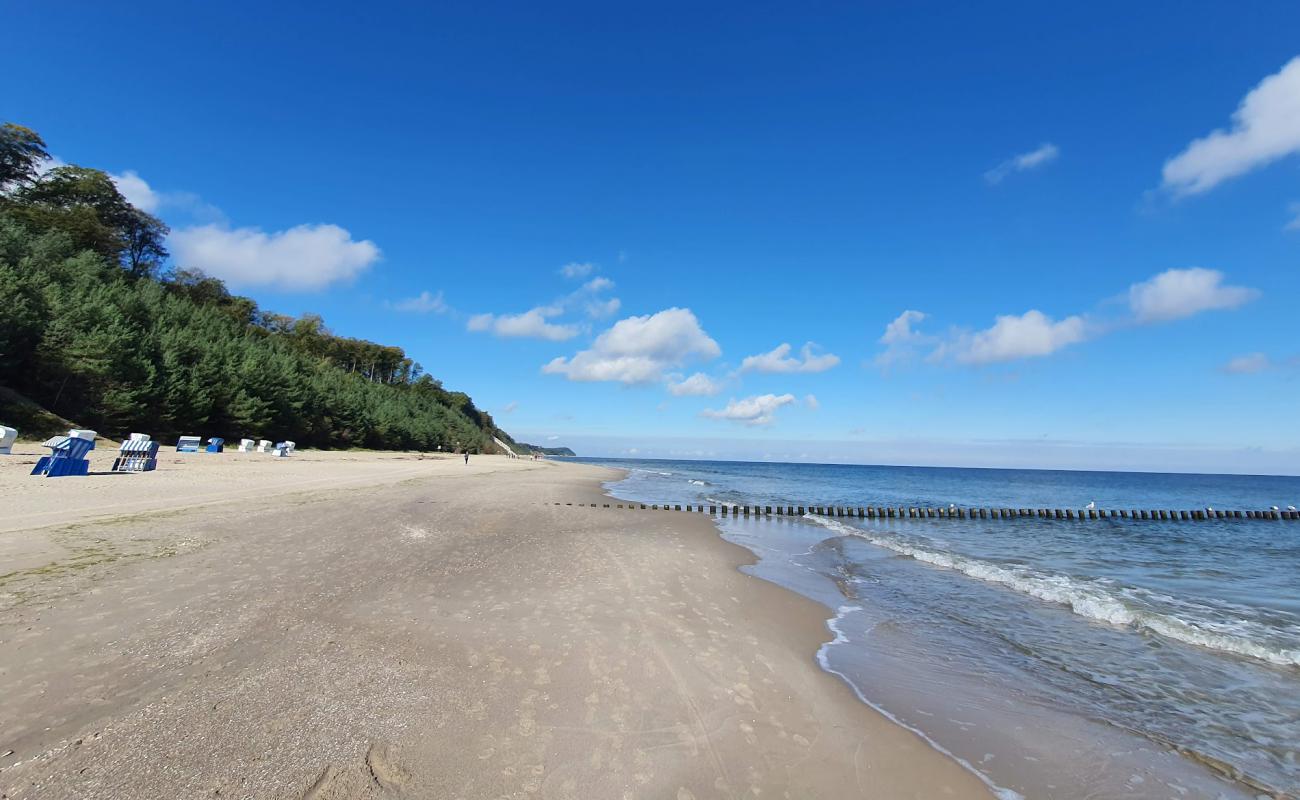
(365, 625)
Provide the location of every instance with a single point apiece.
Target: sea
(1109, 658)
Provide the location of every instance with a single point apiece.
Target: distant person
(467, 458)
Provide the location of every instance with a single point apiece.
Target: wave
(698, 483)
(1094, 600)
(823, 658)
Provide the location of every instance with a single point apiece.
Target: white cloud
(1044, 154)
(778, 361)
(509, 408)
(575, 270)
(531, 324)
(697, 385)
(900, 339)
(306, 257)
(598, 284)
(810, 400)
(1178, 293)
(1265, 128)
(423, 303)
(639, 349)
(752, 411)
(599, 309)
(1248, 364)
(137, 191)
(1030, 335)
(1294, 210)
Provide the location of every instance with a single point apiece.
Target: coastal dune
(410, 627)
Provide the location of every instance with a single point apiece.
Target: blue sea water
(1055, 658)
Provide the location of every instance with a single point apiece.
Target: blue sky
(1104, 280)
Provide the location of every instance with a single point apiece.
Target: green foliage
(90, 332)
(22, 151)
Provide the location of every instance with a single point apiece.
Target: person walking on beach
(467, 458)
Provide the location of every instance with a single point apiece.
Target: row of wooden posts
(953, 512)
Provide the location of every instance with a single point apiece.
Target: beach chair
(7, 438)
(216, 444)
(290, 446)
(140, 437)
(67, 455)
(264, 445)
(281, 450)
(136, 455)
(246, 445)
(187, 444)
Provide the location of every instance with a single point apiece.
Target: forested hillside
(97, 327)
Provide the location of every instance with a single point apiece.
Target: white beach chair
(139, 437)
(290, 446)
(246, 445)
(264, 445)
(81, 433)
(7, 438)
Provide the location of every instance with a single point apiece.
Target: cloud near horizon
(1042, 155)
(639, 350)
(1171, 295)
(1265, 128)
(777, 361)
(302, 258)
(755, 411)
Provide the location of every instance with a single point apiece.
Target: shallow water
(1056, 658)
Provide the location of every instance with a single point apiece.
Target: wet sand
(366, 625)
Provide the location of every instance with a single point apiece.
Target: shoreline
(442, 633)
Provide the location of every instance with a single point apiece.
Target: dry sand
(364, 626)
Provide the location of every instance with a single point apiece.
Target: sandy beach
(361, 625)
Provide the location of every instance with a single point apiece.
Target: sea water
(1055, 658)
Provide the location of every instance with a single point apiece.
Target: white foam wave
(1090, 599)
(823, 658)
(697, 483)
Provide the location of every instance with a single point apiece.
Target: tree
(144, 235)
(22, 151)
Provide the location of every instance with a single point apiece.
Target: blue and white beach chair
(187, 444)
(67, 455)
(216, 444)
(7, 438)
(136, 455)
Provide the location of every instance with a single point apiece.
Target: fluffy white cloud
(639, 349)
(423, 303)
(811, 401)
(1012, 337)
(1044, 154)
(1248, 364)
(306, 257)
(697, 385)
(778, 360)
(901, 340)
(137, 191)
(1265, 127)
(531, 324)
(576, 270)
(753, 411)
(1178, 293)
